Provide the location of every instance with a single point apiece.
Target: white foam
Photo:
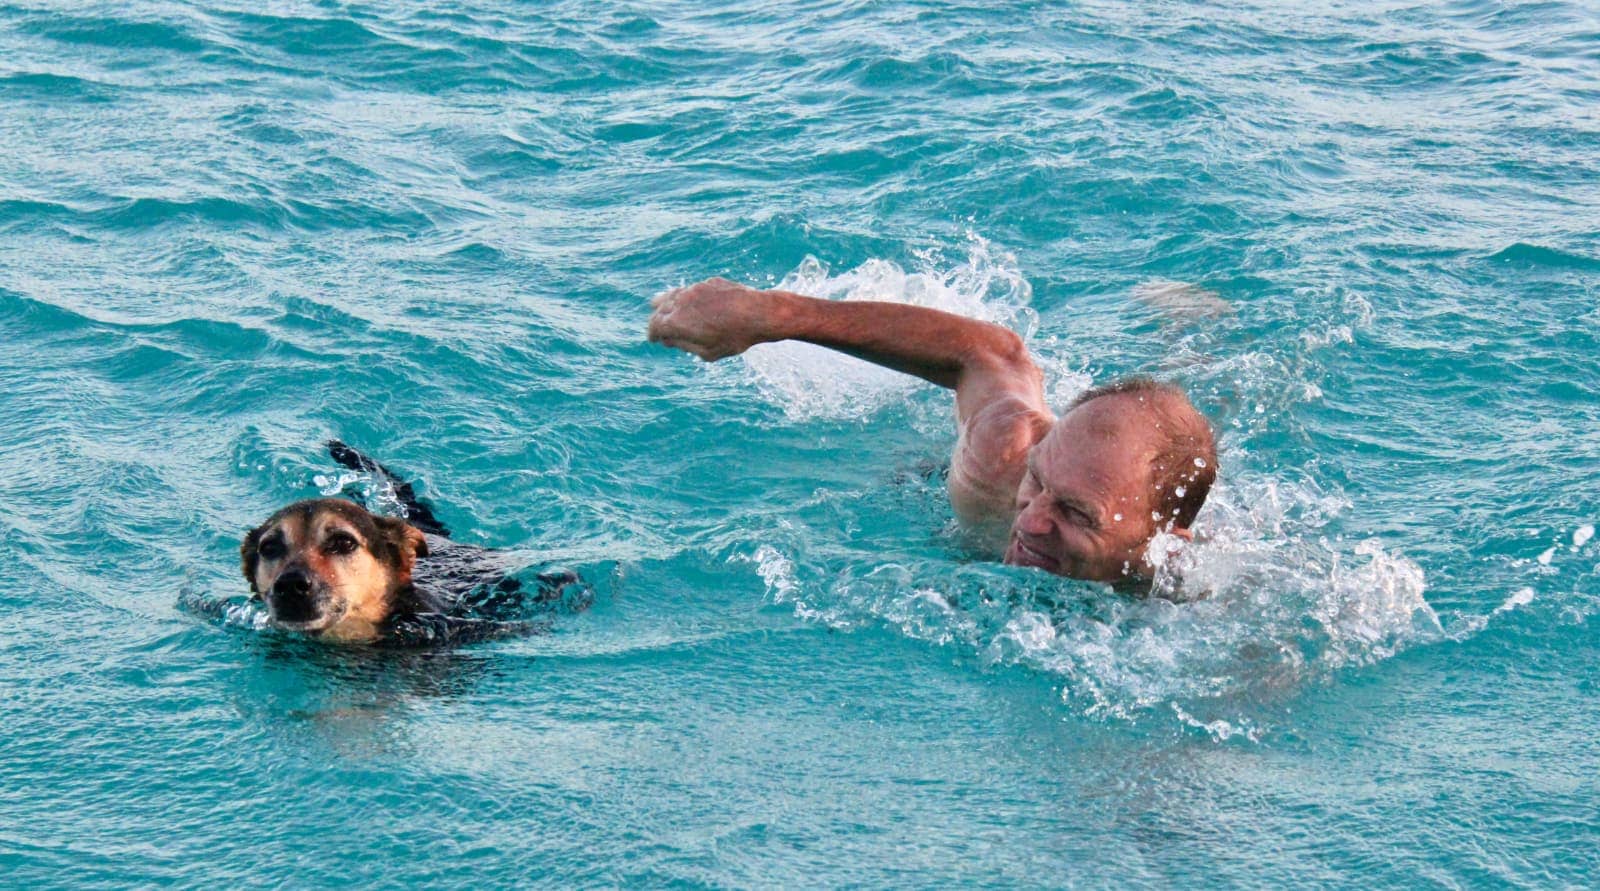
(1335, 334)
(1219, 729)
(776, 570)
(1581, 535)
(1519, 597)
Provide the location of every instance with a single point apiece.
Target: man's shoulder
(1003, 429)
(990, 458)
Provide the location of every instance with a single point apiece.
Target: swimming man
(1081, 495)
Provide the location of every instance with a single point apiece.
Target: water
(1364, 237)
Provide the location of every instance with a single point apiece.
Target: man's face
(1084, 504)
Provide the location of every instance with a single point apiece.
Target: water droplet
(1117, 517)
(1199, 462)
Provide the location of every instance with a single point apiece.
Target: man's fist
(714, 319)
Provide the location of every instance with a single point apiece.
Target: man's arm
(1000, 403)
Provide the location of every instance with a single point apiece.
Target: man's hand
(714, 319)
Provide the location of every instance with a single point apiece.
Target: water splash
(376, 492)
(813, 382)
(1259, 607)
(230, 612)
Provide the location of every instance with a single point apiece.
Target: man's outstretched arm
(1000, 403)
(981, 361)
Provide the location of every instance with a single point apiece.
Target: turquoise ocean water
(230, 231)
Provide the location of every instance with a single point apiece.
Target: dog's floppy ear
(249, 556)
(407, 541)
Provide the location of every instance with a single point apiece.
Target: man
(1080, 496)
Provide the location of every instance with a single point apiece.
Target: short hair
(1184, 464)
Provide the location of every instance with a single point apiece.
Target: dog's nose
(292, 582)
(291, 596)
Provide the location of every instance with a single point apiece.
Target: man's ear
(249, 556)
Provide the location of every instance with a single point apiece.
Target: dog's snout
(291, 596)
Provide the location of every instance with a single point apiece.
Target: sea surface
(1365, 236)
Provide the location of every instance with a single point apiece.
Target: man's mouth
(1022, 555)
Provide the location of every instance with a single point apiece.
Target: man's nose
(1034, 518)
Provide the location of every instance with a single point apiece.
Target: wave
(1525, 254)
(116, 33)
(52, 87)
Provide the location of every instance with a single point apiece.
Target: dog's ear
(407, 541)
(417, 541)
(249, 556)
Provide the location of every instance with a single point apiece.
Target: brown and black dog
(330, 568)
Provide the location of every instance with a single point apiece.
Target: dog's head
(329, 567)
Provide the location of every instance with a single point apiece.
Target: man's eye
(340, 544)
(1076, 517)
(271, 549)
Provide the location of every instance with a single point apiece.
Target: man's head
(1128, 460)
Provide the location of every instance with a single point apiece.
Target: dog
(331, 569)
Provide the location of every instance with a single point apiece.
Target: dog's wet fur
(332, 569)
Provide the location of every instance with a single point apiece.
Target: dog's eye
(271, 549)
(340, 544)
